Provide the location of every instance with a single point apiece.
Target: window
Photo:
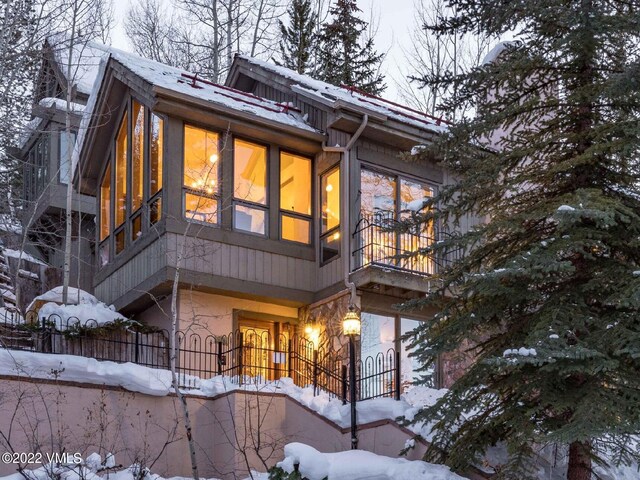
(295, 198)
(386, 199)
(137, 156)
(66, 149)
(249, 187)
(105, 204)
(330, 218)
(201, 172)
(105, 216)
(121, 174)
(156, 144)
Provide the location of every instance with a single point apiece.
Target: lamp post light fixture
(351, 326)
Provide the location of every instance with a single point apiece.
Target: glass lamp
(351, 323)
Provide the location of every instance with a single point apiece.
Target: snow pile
(92, 468)
(565, 208)
(130, 376)
(359, 464)
(86, 311)
(522, 351)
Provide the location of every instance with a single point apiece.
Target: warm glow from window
(156, 146)
(201, 209)
(137, 156)
(105, 204)
(296, 229)
(121, 174)
(295, 184)
(201, 160)
(250, 172)
(330, 191)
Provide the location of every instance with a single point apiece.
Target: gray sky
(395, 23)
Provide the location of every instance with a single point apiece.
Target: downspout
(345, 206)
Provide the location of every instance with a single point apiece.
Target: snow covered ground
(157, 382)
(95, 468)
(359, 465)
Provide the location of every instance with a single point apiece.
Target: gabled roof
(346, 97)
(85, 60)
(175, 83)
(180, 81)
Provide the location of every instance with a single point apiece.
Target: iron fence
(244, 356)
(381, 239)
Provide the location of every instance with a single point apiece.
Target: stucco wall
(205, 312)
(50, 416)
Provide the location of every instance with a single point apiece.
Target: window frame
(246, 203)
(217, 195)
(322, 236)
(149, 199)
(289, 213)
(61, 133)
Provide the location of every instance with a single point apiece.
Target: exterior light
(312, 332)
(351, 323)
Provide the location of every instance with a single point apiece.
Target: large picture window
(201, 174)
(386, 199)
(131, 188)
(330, 217)
(295, 198)
(249, 187)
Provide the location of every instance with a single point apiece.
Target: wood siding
(142, 266)
(242, 263)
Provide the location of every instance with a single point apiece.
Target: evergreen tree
(346, 57)
(298, 41)
(548, 291)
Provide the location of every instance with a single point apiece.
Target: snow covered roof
(61, 104)
(85, 60)
(496, 51)
(323, 91)
(180, 81)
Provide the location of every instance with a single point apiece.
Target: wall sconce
(312, 332)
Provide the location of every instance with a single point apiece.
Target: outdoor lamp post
(351, 327)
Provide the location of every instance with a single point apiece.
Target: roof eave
(241, 115)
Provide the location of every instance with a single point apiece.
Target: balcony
(386, 253)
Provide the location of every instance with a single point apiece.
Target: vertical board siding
(142, 266)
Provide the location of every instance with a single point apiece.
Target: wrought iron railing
(383, 240)
(247, 356)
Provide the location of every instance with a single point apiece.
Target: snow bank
(359, 464)
(130, 376)
(91, 468)
(82, 309)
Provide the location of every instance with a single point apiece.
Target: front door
(264, 348)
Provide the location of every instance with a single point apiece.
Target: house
(267, 201)
(45, 150)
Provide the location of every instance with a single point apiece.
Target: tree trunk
(579, 461)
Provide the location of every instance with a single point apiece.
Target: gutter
(345, 206)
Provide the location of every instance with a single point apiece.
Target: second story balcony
(388, 254)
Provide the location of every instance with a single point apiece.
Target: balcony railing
(381, 240)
